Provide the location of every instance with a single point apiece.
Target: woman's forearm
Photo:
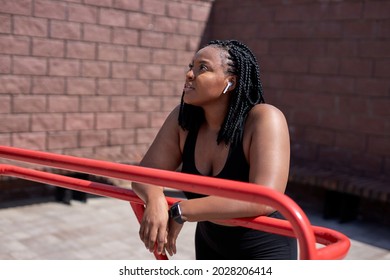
(219, 208)
(147, 192)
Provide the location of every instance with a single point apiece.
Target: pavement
(106, 229)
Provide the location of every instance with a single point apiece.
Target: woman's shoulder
(264, 112)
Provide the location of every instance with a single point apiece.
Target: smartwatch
(175, 213)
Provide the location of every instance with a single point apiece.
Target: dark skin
(266, 147)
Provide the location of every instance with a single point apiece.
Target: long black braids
(247, 93)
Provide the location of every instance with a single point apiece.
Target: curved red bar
(297, 225)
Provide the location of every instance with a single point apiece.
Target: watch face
(175, 213)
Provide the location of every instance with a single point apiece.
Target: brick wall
(96, 78)
(93, 78)
(326, 64)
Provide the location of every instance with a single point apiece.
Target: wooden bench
(343, 192)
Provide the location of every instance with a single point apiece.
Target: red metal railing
(297, 224)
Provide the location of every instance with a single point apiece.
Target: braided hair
(248, 92)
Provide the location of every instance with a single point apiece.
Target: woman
(222, 129)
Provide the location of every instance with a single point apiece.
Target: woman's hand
(154, 225)
(173, 233)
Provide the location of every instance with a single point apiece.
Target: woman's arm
(164, 153)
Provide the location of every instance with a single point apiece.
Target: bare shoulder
(265, 114)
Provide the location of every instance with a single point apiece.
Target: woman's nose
(190, 74)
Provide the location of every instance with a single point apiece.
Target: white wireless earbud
(229, 84)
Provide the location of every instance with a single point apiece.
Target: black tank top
(236, 167)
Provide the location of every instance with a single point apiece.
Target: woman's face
(206, 77)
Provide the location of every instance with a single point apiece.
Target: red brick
(125, 36)
(201, 12)
(335, 121)
(5, 23)
(152, 39)
(103, 3)
(295, 64)
(93, 138)
(341, 48)
(48, 47)
(48, 85)
(5, 102)
(356, 67)
(154, 7)
(174, 73)
(14, 84)
(320, 136)
(376, 10)
(80, 50)
(372, 87)
(359, 29)
(30, 26)
(139, 21)
(30, 140)
(111, 53)
(14, 45)
(109, 120)
(188, 27)
(137, 87)
(29, 104)
(14, 123)
(145, 135)
(328, 30)
(161, 56)
(47, 122)
(79, 121)
(82, 13)
(149, 104)
(20, 7)
(178, 10)
(168, 103)
(124, 70)
(377, 49)
(112, 17)
(380, 107)
(96, 33)
(65, 30)
(110, 86)
(109, 153)
(150, 72)
(80, 152)
(306, 117)
(344, 85)
(64, 67)
(50, 9)
(158, 118)
(176, 42)
(99, 69)
(353, 105)
(5, 64)
(166, 88)
(136, 54)
(368, 124)
(81, 86)
(379, 145)
(5, 140)
(344, 11)
(324, 65)
(122, 137)
(94, 103)
(123, 103)
(165, 24)
(62, 140)
(136, 120)
(64, 104)
(133, 5)
(23, 65)
(382, 68)
(351, 141)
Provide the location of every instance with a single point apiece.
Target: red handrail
(297, 224)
